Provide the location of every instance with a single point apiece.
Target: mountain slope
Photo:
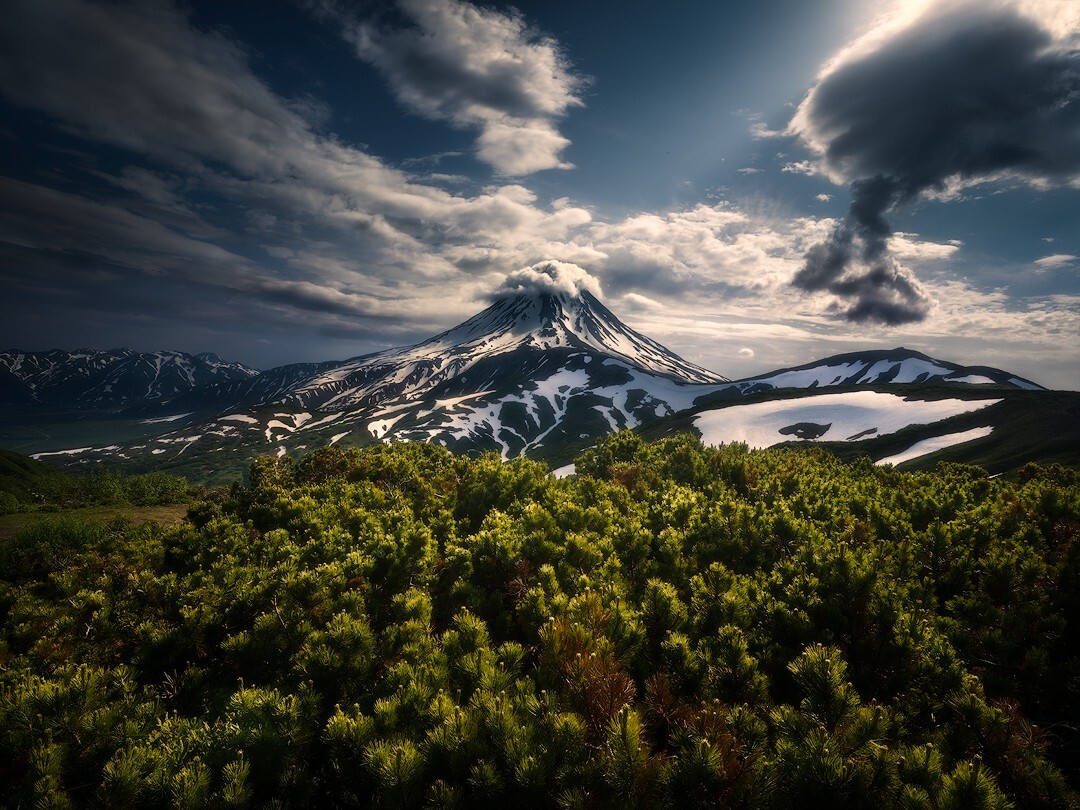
(895, 366)
(517, 338)
(912, 425)
(92, 378)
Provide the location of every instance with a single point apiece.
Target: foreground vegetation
(675, 626)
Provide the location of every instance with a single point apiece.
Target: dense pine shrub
(675, 626)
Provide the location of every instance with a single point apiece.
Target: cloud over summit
(548, 277)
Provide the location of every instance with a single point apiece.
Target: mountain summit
(521, 333)
(529, 331)
(525, 331)
(562, 320)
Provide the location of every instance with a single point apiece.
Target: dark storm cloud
(854, 262)
(970, 95)
(136, 75)
(113, 240)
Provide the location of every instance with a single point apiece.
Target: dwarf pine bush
(676, 626)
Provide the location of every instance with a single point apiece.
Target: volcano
(517, 339)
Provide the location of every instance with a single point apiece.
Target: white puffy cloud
(715, 249)
(909, 248)
(479, 68)
(549, 276)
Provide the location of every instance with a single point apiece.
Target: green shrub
(675, 626)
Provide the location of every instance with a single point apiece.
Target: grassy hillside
(27, 485)
(674, 627)
(12, 525)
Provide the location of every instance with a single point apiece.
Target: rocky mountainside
(895, 366)
(518, 338)
(90, 378)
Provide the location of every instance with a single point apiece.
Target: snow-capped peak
(527, 328)
(550, 320)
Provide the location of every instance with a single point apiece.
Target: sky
(753, 184)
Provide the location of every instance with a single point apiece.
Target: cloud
(141, 77)
(122, 73)
(908, 247)
(823, 197)
(746, 351)
(880, 289)
(748, 170)
(799, 167)
(548, 277)
(637, 302)
(479, 68)
(707, 249)
(756, 126)
(957, 96)
(1055, 261)
(516, 147)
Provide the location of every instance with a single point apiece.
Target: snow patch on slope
(239, 417)
(163, 419)
(843, 416)
(1027, 386)
(927, 446)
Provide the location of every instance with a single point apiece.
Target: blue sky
(755, 185)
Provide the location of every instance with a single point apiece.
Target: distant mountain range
(103, 379)
(542, 374)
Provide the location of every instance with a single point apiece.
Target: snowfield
(927, 446)
(833, 417)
